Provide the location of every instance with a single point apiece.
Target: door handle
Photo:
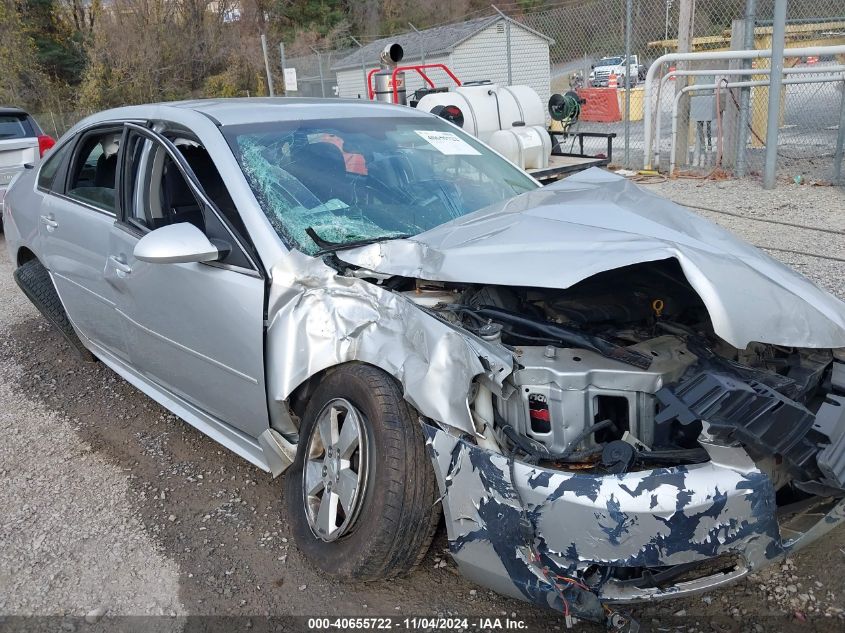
(49, 222)
(119, 264)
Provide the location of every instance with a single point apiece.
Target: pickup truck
(615, 65)
(22, 143)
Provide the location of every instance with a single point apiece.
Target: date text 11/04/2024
(480, 623)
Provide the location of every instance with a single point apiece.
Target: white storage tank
(511, 119)
(529, 147)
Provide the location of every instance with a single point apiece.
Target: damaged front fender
(318, 319)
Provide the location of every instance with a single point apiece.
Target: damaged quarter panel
(319, 319)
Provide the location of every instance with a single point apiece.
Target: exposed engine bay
(636, 405)
(623, 372)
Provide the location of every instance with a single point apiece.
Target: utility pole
(320, 65)
(507, 41)
(363, 67)
(775, 89)
(422, 42)
(267, 66)
(745, 93)
(282, 56)
(629, 14)
(686, 15)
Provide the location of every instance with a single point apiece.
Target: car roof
(12, 110)
(267, 109)
(252, 110)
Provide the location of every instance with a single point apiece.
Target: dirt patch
(213, 513)
(220, 519)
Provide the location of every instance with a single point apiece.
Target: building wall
(484, 56)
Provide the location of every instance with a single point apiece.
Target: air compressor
(510, 119)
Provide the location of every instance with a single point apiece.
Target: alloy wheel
(335, 470)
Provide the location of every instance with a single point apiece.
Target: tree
(22, 81)
(58, 43)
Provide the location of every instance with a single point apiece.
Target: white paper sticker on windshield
(448, 143)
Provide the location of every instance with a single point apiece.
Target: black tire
(36, 284)
(398, 515)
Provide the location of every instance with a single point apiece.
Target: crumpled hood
(596, 221)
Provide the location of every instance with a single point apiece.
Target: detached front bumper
(520, 529)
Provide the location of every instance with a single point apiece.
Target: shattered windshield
(368, 178)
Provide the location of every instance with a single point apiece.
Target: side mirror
(175, 244)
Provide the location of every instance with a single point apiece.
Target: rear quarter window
(48, 177)
(14, 126)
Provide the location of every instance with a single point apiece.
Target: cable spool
(565, 108)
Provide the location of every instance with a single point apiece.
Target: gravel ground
(72, 541)
(112, 505)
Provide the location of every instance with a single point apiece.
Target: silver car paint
(435, 362)
(15, 153)
(332, 319)
(74, 247)
(195, 329)
(184, 239)
(596, 221)
(317, 318)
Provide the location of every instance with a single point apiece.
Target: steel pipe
(725, 72)
(840, 143)
(736, 84)
(749, 25)
(714, 55)
(775, 90)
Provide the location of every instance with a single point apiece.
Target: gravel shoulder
(113, 503)
(71, 541)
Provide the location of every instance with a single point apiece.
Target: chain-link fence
(579, 45)
(720, 121)
(810, 108)
(313, 72)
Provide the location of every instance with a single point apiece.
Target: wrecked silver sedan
(611, 398)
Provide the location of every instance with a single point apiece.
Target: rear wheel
(36, 284)
(361, 493)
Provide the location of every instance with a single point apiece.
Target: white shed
(474, 50)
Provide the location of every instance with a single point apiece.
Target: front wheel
(361, 493)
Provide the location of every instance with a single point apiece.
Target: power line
(768, 221)
(805, 253)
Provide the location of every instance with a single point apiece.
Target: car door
(196, 329)
(76, 217)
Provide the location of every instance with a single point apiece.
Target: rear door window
(47, 177)
(14, 126)
(93, 173)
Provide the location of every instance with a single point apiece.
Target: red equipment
(419, 68)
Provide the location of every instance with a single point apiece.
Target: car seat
(177, 199)
(322, 169)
